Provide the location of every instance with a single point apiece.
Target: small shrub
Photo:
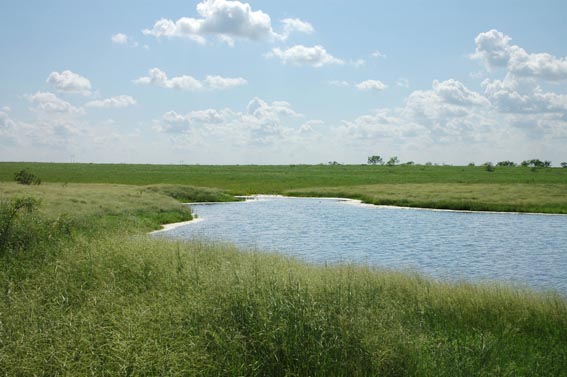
(24, 177)
(564, 164)
(489, 167)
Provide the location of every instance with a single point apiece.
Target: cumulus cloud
(120, 38)
(157, 77)
(367, 85)
(262, 110)
(5, 121)
(113, 102)
(382, 124)
(49, 103)
(172, 122)
(125, 40)
(220, 83)
(447, 113)
(315, 56)
(454, 92)
(495, 50)
(291, 25)
(227, 20)
(69, 82)
(261, 123)
(521, 95)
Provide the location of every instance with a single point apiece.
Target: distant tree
(333, 163)
(375, 160)
(488, 166)
(428, 163)
(506, 163)
(471, 164)
(393, 161)
(536, 163)
(410, 163)
(564, 164)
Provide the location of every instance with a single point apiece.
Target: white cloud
(494, 49)
(454, 92)
(383, 124)
(371, 85)
(69, 82)
(115, 102)
(220, 83)
(291, 25)
(172, 122)
(159, 78)
(315, 56)
(6, 109)
(378, 55)
(5, 121)
(123, 39)
(261, 123)
(227, 20)
(522, 95)
(262, 110)
(49, 103)
(120, 38)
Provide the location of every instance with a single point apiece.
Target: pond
(521, 249)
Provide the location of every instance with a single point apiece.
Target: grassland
(551, 198)
(452, 187)
(86, 292)
(253, 179)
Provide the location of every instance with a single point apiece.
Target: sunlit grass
(551, 198)
(117, 306)
(254, 179)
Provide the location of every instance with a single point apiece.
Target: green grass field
(452, 187)
(86, 292)
(253, 179)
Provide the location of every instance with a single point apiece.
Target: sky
(282, 82)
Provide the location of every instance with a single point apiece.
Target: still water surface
(522, 249)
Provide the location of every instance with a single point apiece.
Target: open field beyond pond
(453, 187)
(87, 292)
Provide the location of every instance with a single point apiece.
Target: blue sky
(282, 82)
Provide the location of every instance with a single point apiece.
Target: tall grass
(136, 306)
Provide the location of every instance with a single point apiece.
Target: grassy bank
(451, 187)
(85, 301)
(550, 198)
